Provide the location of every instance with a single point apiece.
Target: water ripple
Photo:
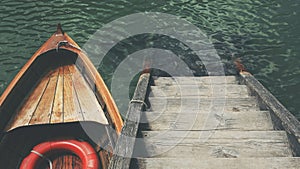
(265, 34)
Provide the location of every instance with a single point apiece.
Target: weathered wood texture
(282, 117)
(44, 59)
(225, 91)
(216, 144)
(63, 95)
(58, 84)
(71, 103)
(26, 111)
(225, 163)
(43, 111)
(205, 80)
(246, 120)
(210, 122)
(125, 144)
(90, 107)
(57, 114)
(188, 104)
(51, 55)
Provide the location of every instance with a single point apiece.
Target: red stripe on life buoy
(82, 149)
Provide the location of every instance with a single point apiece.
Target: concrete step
(204, 80)
(215, 91)
(188, 104)
(254, 120)
(215, 143)
(224, 163)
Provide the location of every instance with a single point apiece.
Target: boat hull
(54, 96)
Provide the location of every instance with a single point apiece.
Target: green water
(265, 34)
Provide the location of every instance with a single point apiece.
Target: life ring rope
(42, 156)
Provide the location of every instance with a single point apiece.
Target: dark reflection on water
(264, 34)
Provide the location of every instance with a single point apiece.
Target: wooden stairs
(209, 123)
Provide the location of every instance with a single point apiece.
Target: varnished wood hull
(60, 87)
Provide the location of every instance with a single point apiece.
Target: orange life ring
(82, 149)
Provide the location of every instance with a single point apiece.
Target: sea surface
(264, 34)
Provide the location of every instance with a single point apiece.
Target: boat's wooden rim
(100, 86)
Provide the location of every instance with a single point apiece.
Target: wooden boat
(57, 98)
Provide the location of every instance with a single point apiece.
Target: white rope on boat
(42, 156)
